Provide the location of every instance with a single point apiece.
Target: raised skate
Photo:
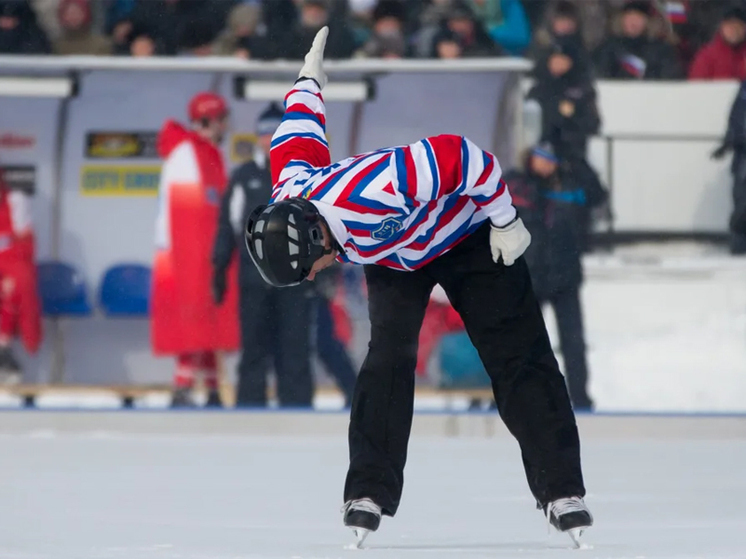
(570, 515)
(363, 516)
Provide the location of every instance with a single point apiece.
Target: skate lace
(563, 506)
(365, 505)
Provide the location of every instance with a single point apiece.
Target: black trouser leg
(569, 316)
(292, 356)
(505, 323)
(257, 323)
(332, 352)
(381, 416)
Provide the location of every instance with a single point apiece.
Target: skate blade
(575, 535)
(360, 534)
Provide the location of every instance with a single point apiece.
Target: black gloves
(218, 286)
(720, 152)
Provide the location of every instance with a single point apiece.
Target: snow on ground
(99, 496)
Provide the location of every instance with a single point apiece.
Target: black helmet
(284, 240)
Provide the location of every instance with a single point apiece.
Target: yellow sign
(119, 180)
(242, 147)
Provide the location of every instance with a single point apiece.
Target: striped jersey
(399, 207)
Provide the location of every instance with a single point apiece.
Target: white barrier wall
(654, 153)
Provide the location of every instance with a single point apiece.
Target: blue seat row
(124, 290)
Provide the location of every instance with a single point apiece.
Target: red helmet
(207, 105)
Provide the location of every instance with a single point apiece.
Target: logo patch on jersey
(389, 227)
(306, 194)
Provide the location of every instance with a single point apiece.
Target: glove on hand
(314, 65)
(720, 152)
(218, 286)
(509, 242)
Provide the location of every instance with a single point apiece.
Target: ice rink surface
(104, 496)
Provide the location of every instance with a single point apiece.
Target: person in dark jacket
(632, 54)
(274, 322)
(313, 15)
(168, 20)
(735, 141)
(565, 91)
(549, 200)
(20, 32)
(330, 350)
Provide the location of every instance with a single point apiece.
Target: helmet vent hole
(293, 249)
(259, 227)
(291, 219)
(293, 233)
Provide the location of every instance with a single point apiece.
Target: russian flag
(634, 65)
(676, 12)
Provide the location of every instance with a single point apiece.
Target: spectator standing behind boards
(333, 331)
(77, 36)
(549, 199)
(185, 320)
(632, 53)
(315, 14)
(387, 39)
(274, 322)
(19, 30)
(565, 91)
(20, 313)
(724, 57)
(735, 141)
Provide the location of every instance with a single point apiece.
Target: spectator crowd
(612, 39)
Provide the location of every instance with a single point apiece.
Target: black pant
(332, 352)
(275, 327)
(566, 305)
(504, 321)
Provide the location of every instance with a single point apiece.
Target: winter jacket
(568, 108)
(511, 31)
(718, 60)
(249, 186)
(549, 209)
(168, 22)
(641, 58)
(184, 317)
(25, 38)
(340, 44)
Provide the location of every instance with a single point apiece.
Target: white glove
(314, 65)
(509, 242)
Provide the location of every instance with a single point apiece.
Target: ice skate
(182, 398)
(363, 516)
(569, 515)
(213, 400)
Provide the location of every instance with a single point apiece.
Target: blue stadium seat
(62, 290)
(460, 365)
(125, 290)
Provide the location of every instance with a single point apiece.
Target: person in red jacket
(185, 320)
(723, 58)
(20, 313)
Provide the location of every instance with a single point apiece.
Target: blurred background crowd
(618, 39)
